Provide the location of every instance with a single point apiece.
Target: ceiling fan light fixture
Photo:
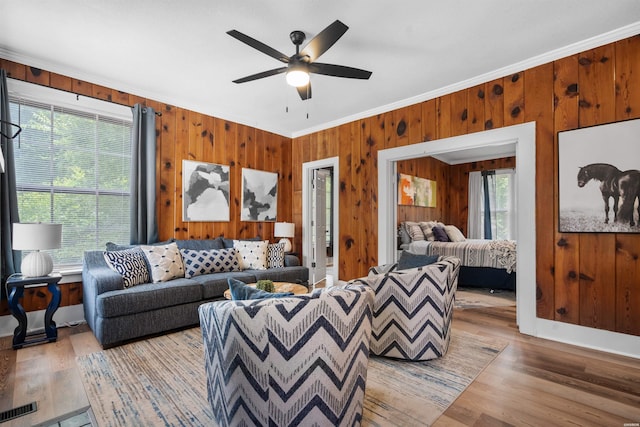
(297, 75)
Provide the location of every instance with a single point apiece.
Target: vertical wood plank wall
(586, 279)
(182, 135)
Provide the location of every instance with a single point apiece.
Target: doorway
(523, 137)
(320, 220)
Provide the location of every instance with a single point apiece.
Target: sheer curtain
(144, 225)
(9, 208)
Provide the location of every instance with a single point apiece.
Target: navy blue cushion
(240, 291)
(440, 234)
(410, 260)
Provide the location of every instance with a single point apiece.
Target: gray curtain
(474, 221)
(144, 225)
(489, 188)
(8, 196)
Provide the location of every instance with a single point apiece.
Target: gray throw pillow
(410, 260)
(240, 291)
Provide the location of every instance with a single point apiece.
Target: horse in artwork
(614, 183)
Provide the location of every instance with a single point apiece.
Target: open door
(319, 225)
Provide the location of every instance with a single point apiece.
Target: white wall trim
(74, 72)
(523, 136)
(307, 170)
(545, 58)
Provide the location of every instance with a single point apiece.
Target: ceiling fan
(300, 64)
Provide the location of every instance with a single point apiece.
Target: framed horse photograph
(599, 179)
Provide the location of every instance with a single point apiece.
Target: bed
(485, 263)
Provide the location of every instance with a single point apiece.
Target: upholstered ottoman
(412, 309)
(299, 360)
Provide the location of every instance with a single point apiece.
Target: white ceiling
(178, 52)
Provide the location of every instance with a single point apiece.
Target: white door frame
(307, 175)
(524, 138)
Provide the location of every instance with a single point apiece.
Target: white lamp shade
(36, 236)
(284, 229)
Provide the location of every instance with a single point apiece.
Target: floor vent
(18, 412)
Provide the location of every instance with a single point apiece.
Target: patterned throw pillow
(275, 255)
(197, 262)
(252, 255)
(130, 264)
(427, 229)
(414, 230)
(165, 261)
(454, 233)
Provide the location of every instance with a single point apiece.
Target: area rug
(161, 381)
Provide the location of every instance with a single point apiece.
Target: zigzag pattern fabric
(291, 361)
(413, 309)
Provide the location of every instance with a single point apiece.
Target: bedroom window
(500, 201)
(72, 167)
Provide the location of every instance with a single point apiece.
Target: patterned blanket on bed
(473, 253)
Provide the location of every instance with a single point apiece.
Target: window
(502, 200)
(502, 196)
(72, 167)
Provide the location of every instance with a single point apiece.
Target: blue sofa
(117, 314)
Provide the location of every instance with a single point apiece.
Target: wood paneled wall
(183, 135)
(586, 279)
(435, 170)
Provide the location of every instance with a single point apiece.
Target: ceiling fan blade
(339, 71)
(259, 46)
(261, 75)
(323, 41)
(305, 91)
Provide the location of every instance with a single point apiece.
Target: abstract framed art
(416, 191)
(205, 191)
(259, 195)
(599, 179)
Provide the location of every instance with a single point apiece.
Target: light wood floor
(533, 382)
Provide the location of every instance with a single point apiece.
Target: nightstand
(15, 287)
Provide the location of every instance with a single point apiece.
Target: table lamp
(36, 237)
(285, 230)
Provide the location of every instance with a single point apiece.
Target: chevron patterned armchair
(291, 361)
(413, 309)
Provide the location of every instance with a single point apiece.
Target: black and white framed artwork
(259, 195)
(205, 191)
(599, 179)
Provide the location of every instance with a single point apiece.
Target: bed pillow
(440, 235)
(414, 230)
(252, 255)
(410, 260)
(165, 262)
(130, 264)
(240, 291)
(427, 229)
(454, 233)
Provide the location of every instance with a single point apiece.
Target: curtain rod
(158, 113)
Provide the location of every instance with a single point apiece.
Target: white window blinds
(72, 167)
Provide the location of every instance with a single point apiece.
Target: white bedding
(473, 253)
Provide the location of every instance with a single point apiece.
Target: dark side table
(15, 287)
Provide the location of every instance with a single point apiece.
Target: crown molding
(572, 49)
